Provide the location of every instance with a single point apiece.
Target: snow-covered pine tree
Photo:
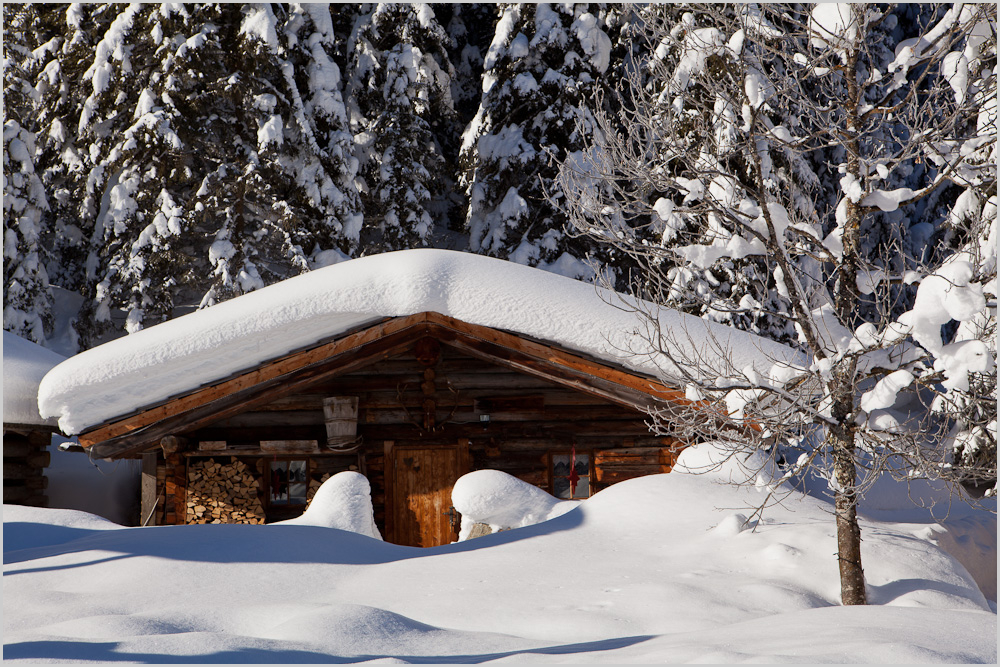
(470, 28)
(851, 410)
(63, 41)
(209, 172)
(541, 69)
(27, 298)
(324, 125)
(400, 87)
(672, 57)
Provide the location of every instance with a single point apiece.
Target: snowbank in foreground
(650, 570)
(113, 379)
(24, 365)
(503, 501)
(345, 502)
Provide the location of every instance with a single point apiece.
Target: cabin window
(288, 482)
(570, 474)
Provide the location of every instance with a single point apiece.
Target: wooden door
(423, 479)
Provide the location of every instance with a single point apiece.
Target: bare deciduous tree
(810, 140)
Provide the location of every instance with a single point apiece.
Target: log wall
(24, 460)
(415, 403)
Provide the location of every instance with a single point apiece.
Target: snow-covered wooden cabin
(412, 367)
(26, 435)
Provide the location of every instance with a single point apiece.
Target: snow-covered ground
(658, 569)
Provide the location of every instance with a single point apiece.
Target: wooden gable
(295, 372)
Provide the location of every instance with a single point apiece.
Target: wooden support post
(149, 495)
(389, 475)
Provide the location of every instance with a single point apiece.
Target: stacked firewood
(222, 493)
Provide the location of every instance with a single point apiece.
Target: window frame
(550, 470)
(286, 505)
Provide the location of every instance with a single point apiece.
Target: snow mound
(718, 460)
(345, 502)
(503, 501)
(24, 365)
(112, 380)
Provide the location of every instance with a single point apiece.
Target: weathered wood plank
(564, 430)
(19, 470)
(557, 357)
(14, 494)
(210, 445)
(37, 483)
(17, 449)
(591, 413)
(289, 446)
(630, 456)
(519, 404)
(585, 377)
(621, 473)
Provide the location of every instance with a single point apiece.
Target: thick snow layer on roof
(149, 366)
(24, 365)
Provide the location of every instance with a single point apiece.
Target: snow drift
(113, 379)
(344, 501)
(502, 501)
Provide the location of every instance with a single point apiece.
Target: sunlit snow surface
(113, 379)
(650, 570)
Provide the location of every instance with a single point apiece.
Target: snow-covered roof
(24, 365)
(175, 357)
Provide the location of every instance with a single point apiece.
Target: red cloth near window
(573, 476)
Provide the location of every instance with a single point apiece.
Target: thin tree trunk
(841, 437)
(852, 576)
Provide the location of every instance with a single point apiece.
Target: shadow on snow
(25, 541)
(108, 652)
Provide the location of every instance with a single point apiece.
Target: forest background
(163, 158)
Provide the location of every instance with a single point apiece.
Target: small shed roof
(180, 355)
(24, 365)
